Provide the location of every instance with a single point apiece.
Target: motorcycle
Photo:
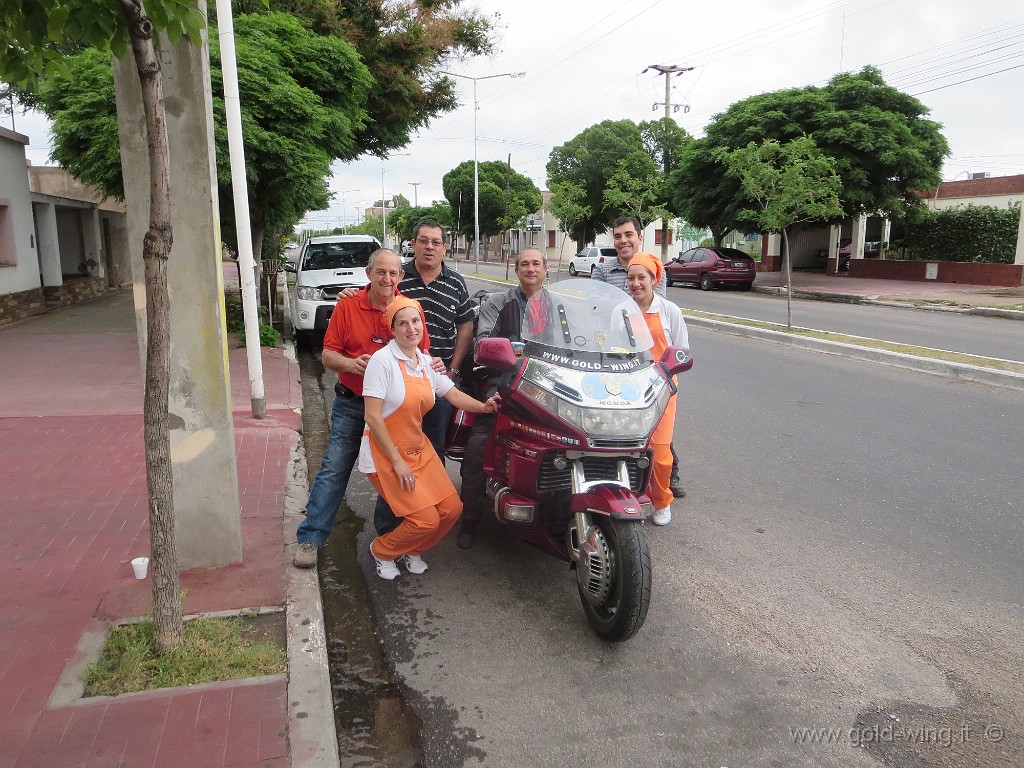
(569, 457)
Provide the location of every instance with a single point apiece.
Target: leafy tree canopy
(585, 165)
(882, 144)
(301, 97)
(402, 44)
(35, 35)
(506, 196)
(789, 183)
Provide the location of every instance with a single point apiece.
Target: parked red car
(708, 267)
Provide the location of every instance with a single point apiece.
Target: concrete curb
(312, 736)
(1007, 379)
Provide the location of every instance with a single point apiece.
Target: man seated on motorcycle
(502, 316)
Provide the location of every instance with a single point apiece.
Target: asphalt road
(976, 335)
(985, 336)
(847, 561)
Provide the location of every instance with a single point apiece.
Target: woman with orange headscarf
(668, 329)
(399, 386)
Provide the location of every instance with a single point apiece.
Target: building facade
(59, 243)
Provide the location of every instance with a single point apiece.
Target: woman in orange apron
(667, 327)
(399, 386)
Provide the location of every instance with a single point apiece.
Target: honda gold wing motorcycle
(569, 457)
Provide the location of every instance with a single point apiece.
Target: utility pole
(415, 193)
(667, 70)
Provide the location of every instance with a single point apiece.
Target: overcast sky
(584, 63)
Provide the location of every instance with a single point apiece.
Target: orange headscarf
(399, 302)
(651, 262)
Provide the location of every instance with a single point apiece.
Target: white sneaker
(662, 516)
(386, 569)
(414, 564)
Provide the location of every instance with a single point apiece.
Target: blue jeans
(328, 491)
(435, 427)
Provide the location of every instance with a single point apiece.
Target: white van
(326, 266)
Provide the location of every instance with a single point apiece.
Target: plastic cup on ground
(140, 565)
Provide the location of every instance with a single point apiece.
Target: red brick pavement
(73, 514)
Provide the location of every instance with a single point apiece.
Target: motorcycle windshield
(585, 317)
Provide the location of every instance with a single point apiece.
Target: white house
(58, 243)
(21, 292)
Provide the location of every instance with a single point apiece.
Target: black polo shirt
(445, 303)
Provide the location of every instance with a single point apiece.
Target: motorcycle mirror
(495, 353)
(676, 360)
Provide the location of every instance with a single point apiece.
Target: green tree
(633, 190)
(301, 98)
(586, 163)
(402, 44)
(505, 196)
(612, 169)
(568, 204)
(882, 144)
(664, 141)
(789, 184)
(30, 33)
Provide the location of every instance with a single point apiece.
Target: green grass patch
(211, 650)
(1014, 307)
(859, 341)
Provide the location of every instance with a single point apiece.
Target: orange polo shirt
(358, 328)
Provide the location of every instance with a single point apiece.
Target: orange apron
(405, 426)
(663, 432)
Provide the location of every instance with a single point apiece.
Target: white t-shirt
(383, 379)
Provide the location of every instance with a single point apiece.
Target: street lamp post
(344, 225)
(476, 164)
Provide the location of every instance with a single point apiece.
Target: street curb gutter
(1007, 379)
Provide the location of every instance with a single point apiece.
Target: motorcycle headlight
(625, 423)
(308, 293)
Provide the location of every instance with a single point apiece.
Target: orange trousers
(661, 476)
(420, 530)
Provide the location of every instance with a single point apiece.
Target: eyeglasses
(426, 241)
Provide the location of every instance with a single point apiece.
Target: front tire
(616, 588)
(572, 269)
(706, 283)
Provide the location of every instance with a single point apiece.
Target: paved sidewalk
(73, 514)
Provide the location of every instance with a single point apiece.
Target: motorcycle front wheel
(615, 582)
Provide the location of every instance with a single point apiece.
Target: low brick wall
(1010, 275)
(74, 291)
(18, 306)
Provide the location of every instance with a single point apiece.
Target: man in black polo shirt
(443, 294)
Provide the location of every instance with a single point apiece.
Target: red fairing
(612, 500)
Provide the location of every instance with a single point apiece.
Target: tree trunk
(664, 240)
(156, 248)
